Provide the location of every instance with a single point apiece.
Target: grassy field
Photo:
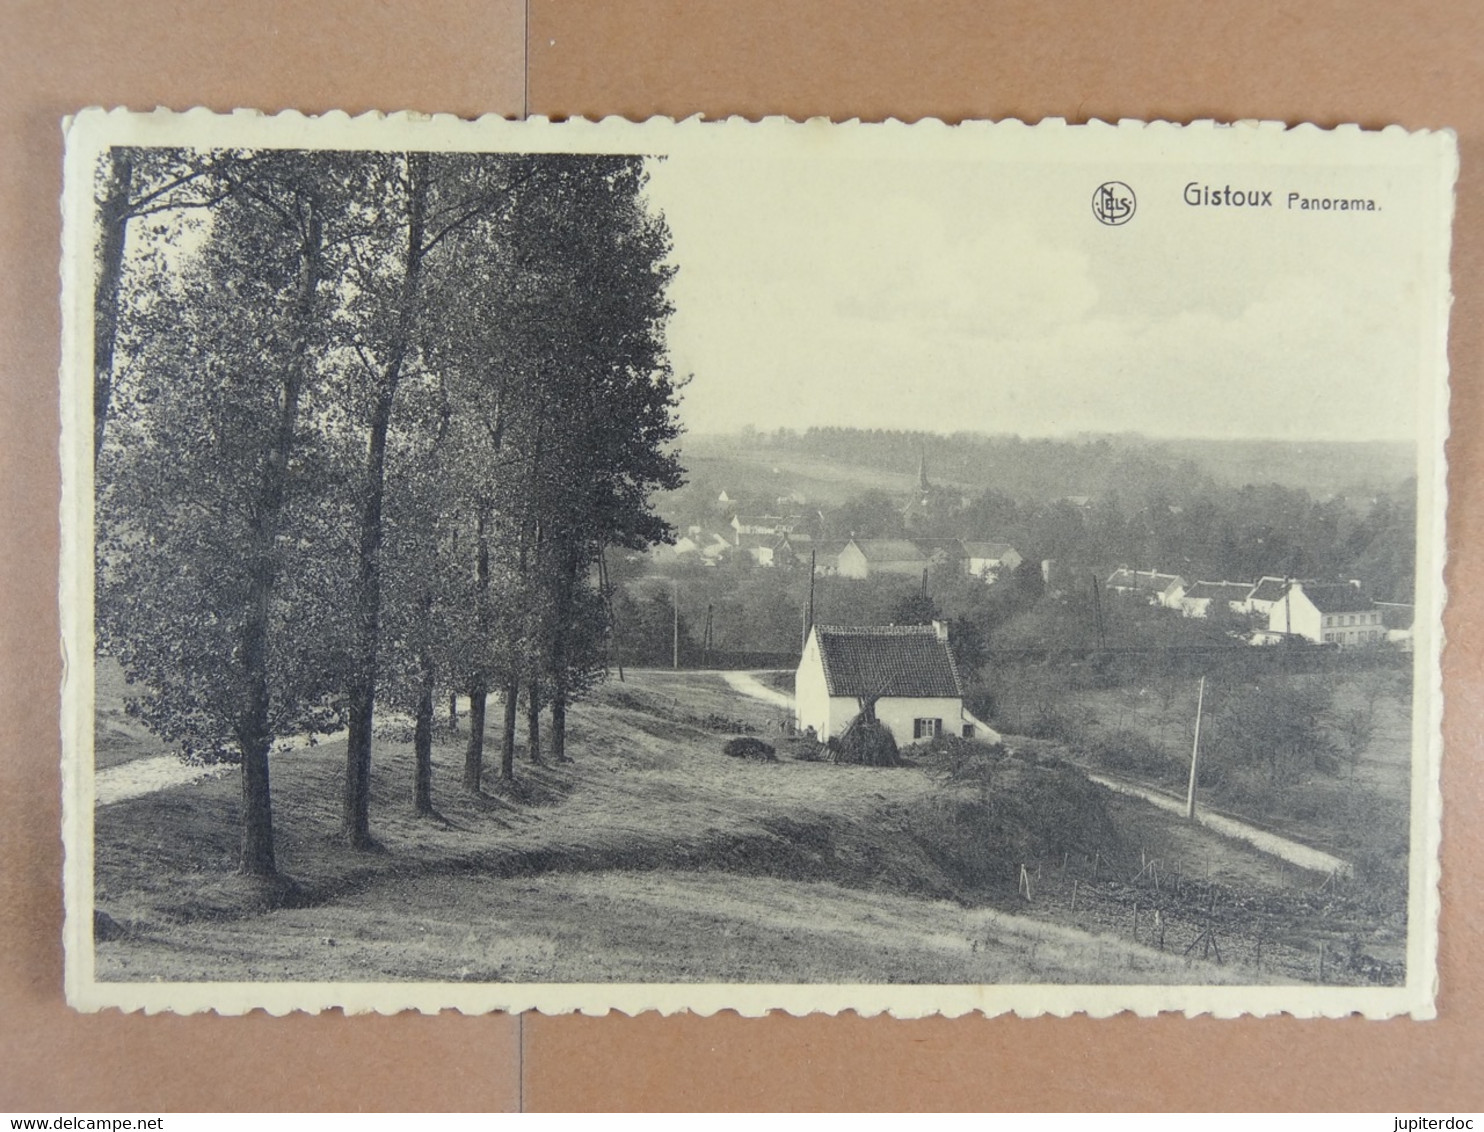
(652, 857)
(1356, 808)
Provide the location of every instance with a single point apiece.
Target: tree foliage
(374, 419)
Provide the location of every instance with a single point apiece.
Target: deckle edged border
(92, 130)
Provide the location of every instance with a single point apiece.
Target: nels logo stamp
(1114, 203)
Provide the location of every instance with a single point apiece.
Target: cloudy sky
(865, 290)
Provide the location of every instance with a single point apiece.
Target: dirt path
(749, 685)
(1293, 852)
(160, 772)
(145, 776)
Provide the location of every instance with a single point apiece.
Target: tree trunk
(507, 747)
(356, 811)
(453, 711)
(479, 688)
(558, 743)
(533, 721)
(356, 824)
(114, 218)
(561, 630)
(257, 815)
(254, 736)
(422, 745)
(474, 751)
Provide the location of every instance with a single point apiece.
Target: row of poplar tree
(365, 423)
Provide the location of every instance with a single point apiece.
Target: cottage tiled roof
(827, 550)
(1218, 591)
(1124, 578)
(887, 660)
(1337, 597)
(1269, 589)
(952, 547)
(994, 551)
(890, 550)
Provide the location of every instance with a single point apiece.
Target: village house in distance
(904, 673)
(1323, 613)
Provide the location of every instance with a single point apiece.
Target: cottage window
(968, 731)
(927, 728)
(1329, 638)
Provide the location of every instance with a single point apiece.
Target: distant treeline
(1092, 506)
(1044, 469)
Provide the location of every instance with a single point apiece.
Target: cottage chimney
(940, 629)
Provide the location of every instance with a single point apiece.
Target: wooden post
(675, 624)
(1097, 610)
(1074, 894)
(1136, 921)
(1321, 960)
(1025, 883)
(1094, 864)
(1195, 752)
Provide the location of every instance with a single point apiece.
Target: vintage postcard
(794, 566)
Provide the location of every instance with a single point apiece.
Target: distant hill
(826, 466)
(1322, 468)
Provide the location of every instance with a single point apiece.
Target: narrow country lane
(749, 685)
(1304, 856)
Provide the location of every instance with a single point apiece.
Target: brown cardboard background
(1363, 61)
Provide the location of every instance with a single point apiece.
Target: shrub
(807, 749)
(866, 742)
(997, 810)
(747, 747)
(1128, 751)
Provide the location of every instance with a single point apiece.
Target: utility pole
(1195, 752)
(675, 624)
(1097, 607)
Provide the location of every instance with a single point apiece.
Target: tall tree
(422, 204)
(209, 510)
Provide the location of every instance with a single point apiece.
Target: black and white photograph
(806, 566)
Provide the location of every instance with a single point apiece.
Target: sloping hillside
(651, 857)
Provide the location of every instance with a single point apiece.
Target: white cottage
(989, 560)
(1336, 613)
(907, 670)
